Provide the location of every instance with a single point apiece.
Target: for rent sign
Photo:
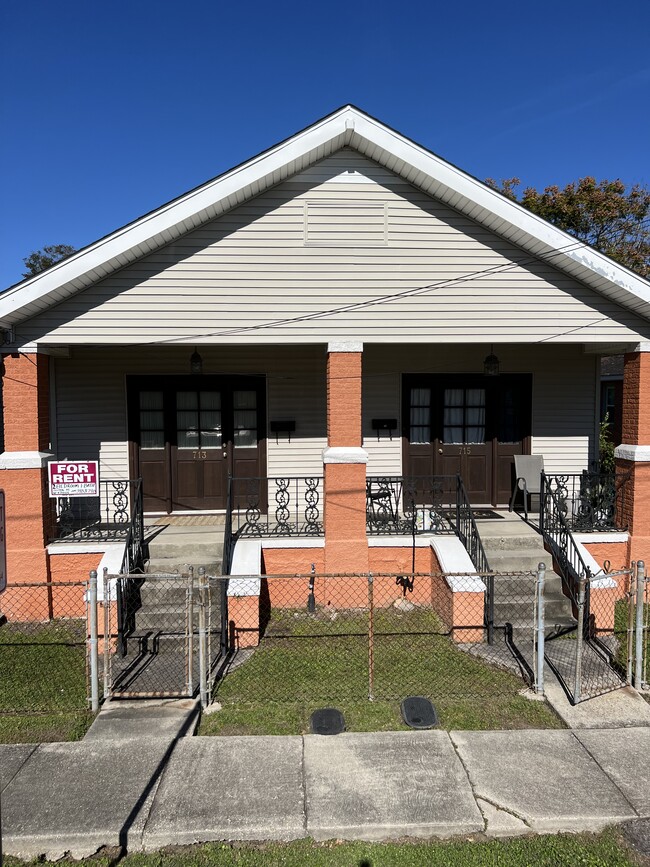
(73, 479)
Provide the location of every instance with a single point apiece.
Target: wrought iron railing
(410, 504)
(105, 518)
(277, 506)
(466, 530)
(228, 539)
(557, 535)
(133, 553)
(590, 502)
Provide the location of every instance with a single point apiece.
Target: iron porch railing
(276, 506)
(105, 518)
(590, 502)
(410, 504)
(133, 554)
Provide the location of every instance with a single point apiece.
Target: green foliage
(41, 260)
(605, 214)
(606, 447)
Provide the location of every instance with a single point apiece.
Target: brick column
(633, 455)
(346, 543)
(23, 473)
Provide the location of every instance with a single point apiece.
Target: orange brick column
(23, 473)
(633, 455)
(346, 544)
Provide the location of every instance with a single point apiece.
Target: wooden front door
(467, 425)
(189, 433)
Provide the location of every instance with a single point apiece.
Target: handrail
(226, 560)
(557, 535)
(466, 529)
(468, 533)
(132, 559)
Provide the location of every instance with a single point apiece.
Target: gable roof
(348, 126)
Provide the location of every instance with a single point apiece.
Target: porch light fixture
(491, 364)
(196, 362)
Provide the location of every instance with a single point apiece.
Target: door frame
(168, 382)
(437, 382)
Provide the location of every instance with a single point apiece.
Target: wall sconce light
(491, 364)
(196, 362)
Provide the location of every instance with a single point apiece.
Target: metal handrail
(132, 559)
(557, 535)
(468, 533)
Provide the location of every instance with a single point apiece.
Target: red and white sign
(73, 478)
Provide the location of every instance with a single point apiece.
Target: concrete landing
(119, 719)
(174, 547)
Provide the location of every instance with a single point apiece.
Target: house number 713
(199, 455)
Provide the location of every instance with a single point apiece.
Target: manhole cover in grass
(419, 713)
(327, 721)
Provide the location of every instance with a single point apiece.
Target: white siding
(249, 277)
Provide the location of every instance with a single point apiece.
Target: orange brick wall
(346, 544)
(636, 399)
(615, 552)
(70, 568)
(25, 400)
(344, 398)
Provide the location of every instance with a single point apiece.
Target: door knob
(439, 451)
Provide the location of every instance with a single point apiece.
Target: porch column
(23, 467)
(633, 455)
(346, 543)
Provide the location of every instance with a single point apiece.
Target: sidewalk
(144, 792)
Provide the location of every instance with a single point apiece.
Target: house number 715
(465, 450)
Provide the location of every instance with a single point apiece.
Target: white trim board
(348, 126)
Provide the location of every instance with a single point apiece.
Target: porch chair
(528, 472)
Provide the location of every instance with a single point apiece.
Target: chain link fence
(355, 637)
(43, 648)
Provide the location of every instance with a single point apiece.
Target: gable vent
(346, 224)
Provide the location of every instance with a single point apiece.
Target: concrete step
(178, 566)
(512, 542)
(525, 584)
(519, 560)
(521, 613)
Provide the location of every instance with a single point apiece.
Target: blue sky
(109, 110)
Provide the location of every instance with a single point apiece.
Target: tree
(604, 214)
(40, 260)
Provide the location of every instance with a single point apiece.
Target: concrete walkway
(142, 793)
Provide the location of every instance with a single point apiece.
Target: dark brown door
(467, 425)
(189, 433)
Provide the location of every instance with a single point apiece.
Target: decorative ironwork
(133, 554)
(293, 506)
(589, 501)
(555, 528)
(467, 531)
(105, 518)
(410, 504)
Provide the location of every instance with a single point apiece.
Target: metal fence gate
(164, 634)
(607, 646)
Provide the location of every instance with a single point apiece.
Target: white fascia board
(516, 215)
(171, 215)
(536, 234)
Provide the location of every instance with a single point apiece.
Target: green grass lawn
(43, 682)
(305, 662)
(587, 850)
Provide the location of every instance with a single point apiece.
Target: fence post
(203, 640)
(630, 621)
(539, 674)
(106, 592)
(190, 630)
(580, 639)
(92, 643)
(371, 640)
(640, 594)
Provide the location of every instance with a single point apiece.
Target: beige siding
(91, 400)
(564, 398)
(255, 276)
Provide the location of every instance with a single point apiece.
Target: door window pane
(152, 420)
(464, 416)
(420, 416)
(245, 419)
